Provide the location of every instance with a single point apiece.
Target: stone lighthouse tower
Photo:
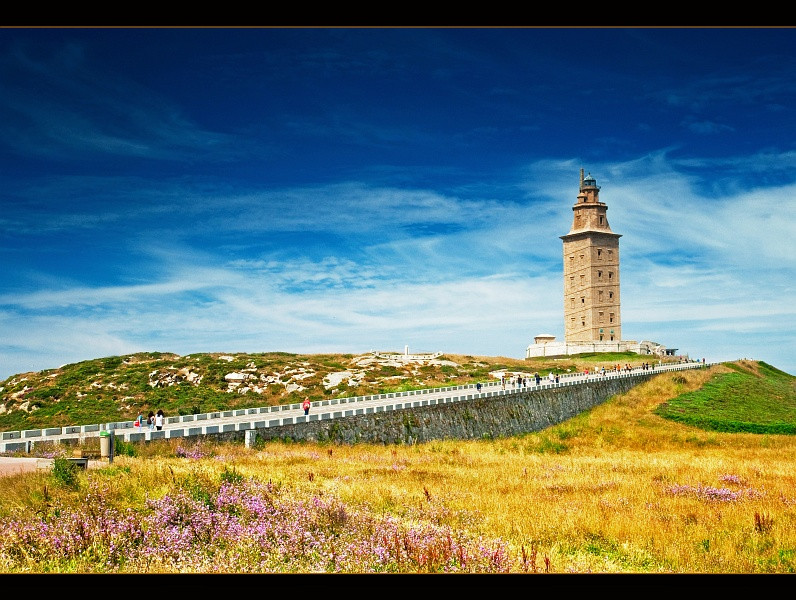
(591, 271)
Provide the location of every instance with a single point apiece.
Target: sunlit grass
(618, 489)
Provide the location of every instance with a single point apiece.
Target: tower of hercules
(591, 271)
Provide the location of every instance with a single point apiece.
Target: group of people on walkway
(522, 382)
(154, 421)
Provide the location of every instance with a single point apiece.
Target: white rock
(236, 376)
(334, 379)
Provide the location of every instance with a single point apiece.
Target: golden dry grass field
(614, 490)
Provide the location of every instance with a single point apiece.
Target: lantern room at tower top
(589, 212)
(592, 318)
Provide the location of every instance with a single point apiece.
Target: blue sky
(346, 190)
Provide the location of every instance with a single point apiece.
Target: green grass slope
(754, 398)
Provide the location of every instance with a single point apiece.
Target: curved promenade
(251, 420)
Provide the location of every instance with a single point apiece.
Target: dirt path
(12, 465)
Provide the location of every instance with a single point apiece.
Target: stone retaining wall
(498, 416)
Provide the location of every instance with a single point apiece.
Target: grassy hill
(117, 388)
(753, 398)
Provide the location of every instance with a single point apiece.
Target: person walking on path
(306, 405)
(159, 420)
(150, 420)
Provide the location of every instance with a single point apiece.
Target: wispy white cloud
(53, 108)
(706, 127)
(691, 266)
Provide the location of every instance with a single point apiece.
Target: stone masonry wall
(524, 411)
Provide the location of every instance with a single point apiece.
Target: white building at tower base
(546, 345)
